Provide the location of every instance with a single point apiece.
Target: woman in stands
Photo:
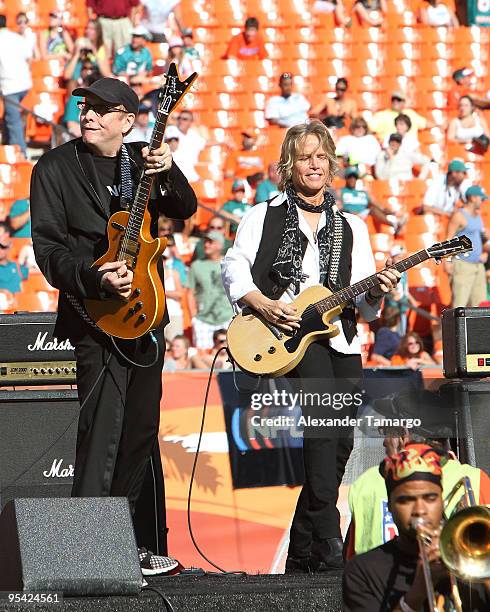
(335, 112)
(359, 147)
(333, 6)
(56, 40)
(436, 13)
(370, 12)
(90, 47)
(411, 352)
(468, 124)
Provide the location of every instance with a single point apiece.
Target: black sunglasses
(99, 109)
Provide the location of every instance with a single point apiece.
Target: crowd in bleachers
(401, 85)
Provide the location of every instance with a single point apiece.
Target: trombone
(464, 544)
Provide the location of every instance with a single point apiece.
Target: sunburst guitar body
(130, 240)
(145, 307)
(261, 348)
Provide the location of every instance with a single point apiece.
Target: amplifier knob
(43, 371)
(50, 370)
(58, 370)
(66, 370)
(35, 370)
(73, 370)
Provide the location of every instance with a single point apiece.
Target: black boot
(298, 565)
(327, 555)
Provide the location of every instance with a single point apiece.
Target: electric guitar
(130, 240)
(261, 348)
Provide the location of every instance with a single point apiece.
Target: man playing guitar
(74, 190)
(297, 240)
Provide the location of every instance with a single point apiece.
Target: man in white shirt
(298, 240)
(191, 143)
(15, 80)
(446, 190)
(289, 108)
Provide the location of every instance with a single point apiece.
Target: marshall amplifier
(38, 431)
(466, 342)
(30, 354)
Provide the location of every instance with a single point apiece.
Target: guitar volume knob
(137, 292)
(142, 318)
(257, 357)
(138, 306)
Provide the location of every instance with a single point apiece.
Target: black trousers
(325, 456)
(118, 424)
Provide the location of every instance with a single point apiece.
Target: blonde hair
(295, 137)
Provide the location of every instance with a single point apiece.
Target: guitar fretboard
(349, 293)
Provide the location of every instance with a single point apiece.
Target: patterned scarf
(288, 265)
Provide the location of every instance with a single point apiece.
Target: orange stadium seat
(7, 301)
(42, 301)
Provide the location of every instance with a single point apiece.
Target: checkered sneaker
(153, 565)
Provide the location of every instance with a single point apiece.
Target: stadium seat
(41, 301)
(7, 301)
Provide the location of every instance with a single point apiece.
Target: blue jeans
(13, 120)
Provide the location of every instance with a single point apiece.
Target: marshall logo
(52, 345)
(57, 471)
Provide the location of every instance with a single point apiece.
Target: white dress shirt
(440, 195)
(237, 265)
(288, 111)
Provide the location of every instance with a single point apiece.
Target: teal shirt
(12, 275)
(354, 200)
(132, 62)
(236, 208)
(72, 112)
(19, 207)
(265, 191)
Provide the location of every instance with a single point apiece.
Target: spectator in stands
(71, 116)
(468, 124)
(338, 110)
(90, 47)
(26, 32)
(178, 357)
(468, 280)
(189, 48)
(289, 108)
(173, 296)
(436, 13)
(268, 188)
(382, 122)
(248, 44)
(216, 224)
(116, 18)
(15, 80)
(370, 12)
(185, 65)
(208, 304)
(400, 297)
(462, 87)
(156, 14)
(191, 140)
(19, 219)
(143, 126)
(326, 7)
(387, 339)
(134, 58)
(411, 353)
(446, 190)
(236, 206)
(248, 160)
(359, 202)
(394, 163)
(173, 259)
(410, 142)
(56, 40)
(11, 273)
(359, 147)
(185, 163)
(205, 359)
(371, 522)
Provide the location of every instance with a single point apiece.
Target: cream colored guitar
(259, 347)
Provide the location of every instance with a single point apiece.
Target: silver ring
(161, 163)
(118, 275)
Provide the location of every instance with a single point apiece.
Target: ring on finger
(282, 317)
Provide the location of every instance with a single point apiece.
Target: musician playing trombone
(297, 240)
(391, 576)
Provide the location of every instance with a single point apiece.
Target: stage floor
(252, 593)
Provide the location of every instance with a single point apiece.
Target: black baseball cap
(396, 137)
(113, 91)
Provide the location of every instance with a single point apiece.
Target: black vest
(270, 242)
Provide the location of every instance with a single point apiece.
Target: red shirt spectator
(248, 44)
(114, 9)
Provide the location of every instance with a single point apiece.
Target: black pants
(316, 516)
(118, 425)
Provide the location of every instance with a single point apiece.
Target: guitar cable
(221, 571)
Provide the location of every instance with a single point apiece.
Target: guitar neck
(349, 293)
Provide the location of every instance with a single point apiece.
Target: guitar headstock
(454, 246)
(174, 90)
